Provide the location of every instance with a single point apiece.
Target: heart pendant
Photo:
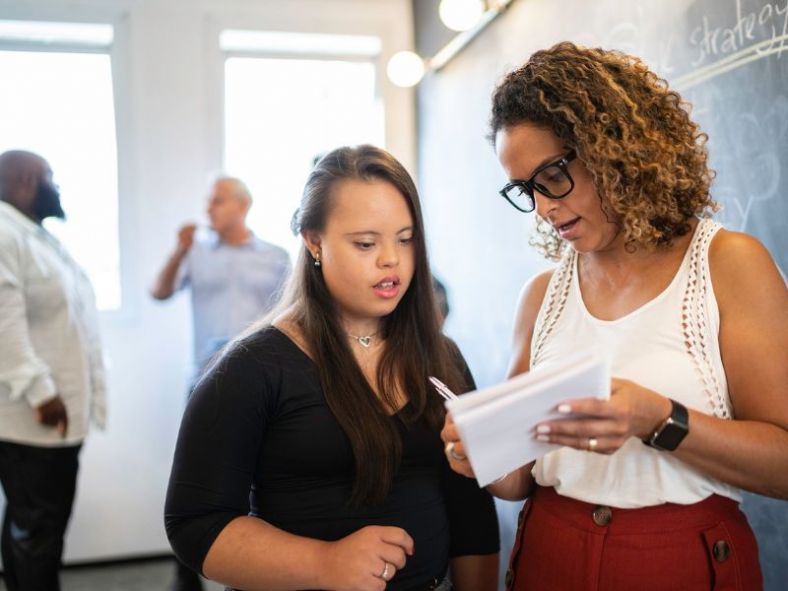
(364, 341)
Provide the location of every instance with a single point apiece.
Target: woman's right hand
(455, 450)
(359, 561)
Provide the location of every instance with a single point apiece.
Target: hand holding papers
(496, 424)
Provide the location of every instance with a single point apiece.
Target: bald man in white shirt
(51, 374)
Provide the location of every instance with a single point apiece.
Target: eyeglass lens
(553, 182)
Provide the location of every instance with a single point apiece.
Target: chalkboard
(729, 58)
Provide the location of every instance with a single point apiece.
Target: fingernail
(543, 429)
(564, 408)
(542, 438)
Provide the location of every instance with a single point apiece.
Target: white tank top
(669, 345)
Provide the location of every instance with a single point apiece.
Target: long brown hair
(414, 346)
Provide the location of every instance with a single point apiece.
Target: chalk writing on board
(754, 35)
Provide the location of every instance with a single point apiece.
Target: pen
(442, 389)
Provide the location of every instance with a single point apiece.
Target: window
(283, 108)
(58, 103)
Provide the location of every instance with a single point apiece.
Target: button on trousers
(567, 545)
(39, 485)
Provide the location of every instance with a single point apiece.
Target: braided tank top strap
(553, 304)
(697, 323)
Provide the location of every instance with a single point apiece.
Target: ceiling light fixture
(461, 15)
(406, 68)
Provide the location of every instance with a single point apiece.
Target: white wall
(168, 83)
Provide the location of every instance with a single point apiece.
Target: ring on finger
(454, 454)
(592, 443)
(385, 574)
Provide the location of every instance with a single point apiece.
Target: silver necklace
(365, 340)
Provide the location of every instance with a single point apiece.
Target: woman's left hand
(631, 411)
(455, 450)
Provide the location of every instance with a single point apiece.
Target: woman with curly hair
(644, 492)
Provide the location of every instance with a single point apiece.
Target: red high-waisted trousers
(567, 545)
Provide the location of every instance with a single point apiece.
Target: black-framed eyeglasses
(552, 180)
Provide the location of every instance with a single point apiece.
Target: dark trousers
(39, 485)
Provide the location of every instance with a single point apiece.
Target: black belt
(433, 583)
(430, 585)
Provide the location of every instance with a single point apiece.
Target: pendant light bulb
(405, 69)
(461, 15)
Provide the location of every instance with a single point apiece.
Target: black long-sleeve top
(258, 438)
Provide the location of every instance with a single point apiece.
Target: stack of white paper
(497, 424)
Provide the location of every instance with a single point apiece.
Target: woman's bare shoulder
(743, 270)
(736, 256)
(532, 295)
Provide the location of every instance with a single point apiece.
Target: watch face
(669, 437)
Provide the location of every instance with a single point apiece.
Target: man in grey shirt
(234, 279)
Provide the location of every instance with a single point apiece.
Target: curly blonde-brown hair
(647, 157)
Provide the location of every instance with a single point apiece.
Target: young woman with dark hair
(309, 456)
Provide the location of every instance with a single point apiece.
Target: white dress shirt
(49, 338)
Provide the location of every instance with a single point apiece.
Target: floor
(148, 575)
